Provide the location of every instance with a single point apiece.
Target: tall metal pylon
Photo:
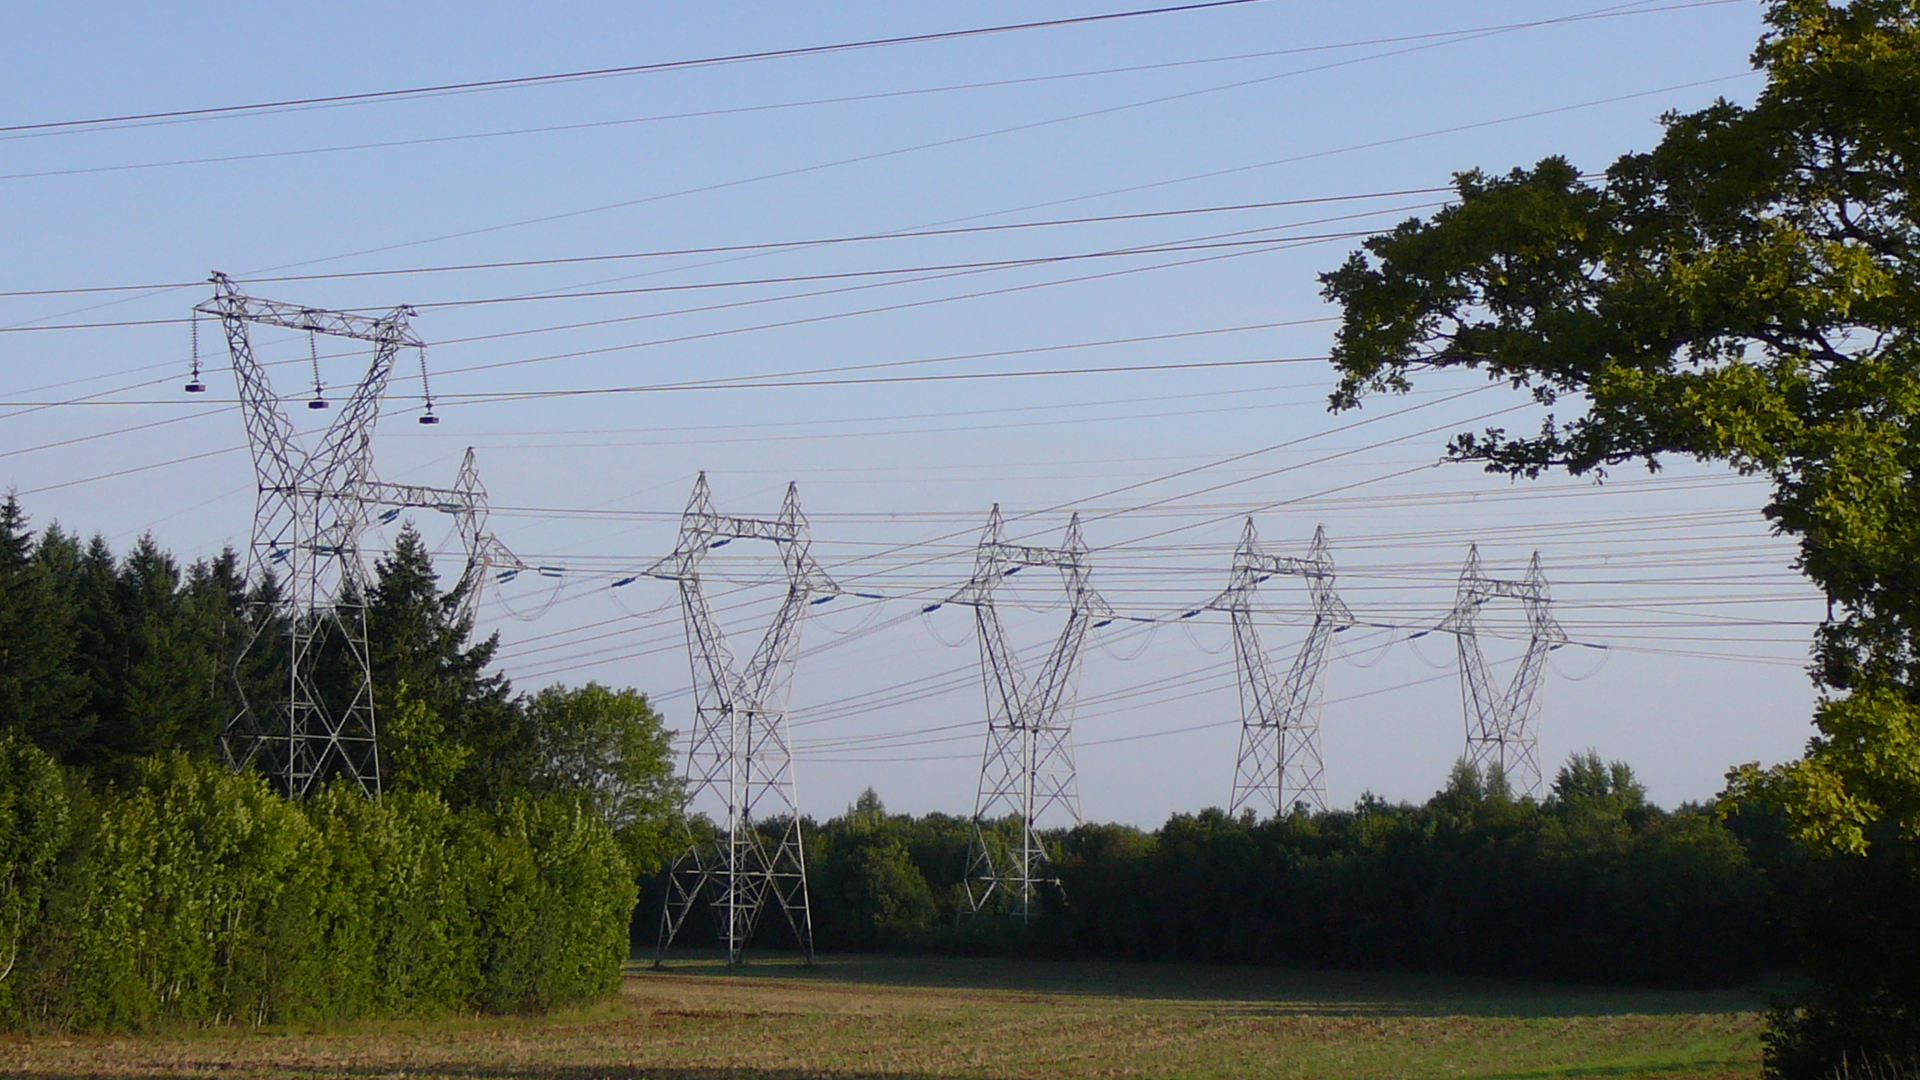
(1027, 768)
(738, 751)
(1279, 767)
(309, 514)
(1503, 726)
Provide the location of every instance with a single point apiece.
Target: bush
(196, 895)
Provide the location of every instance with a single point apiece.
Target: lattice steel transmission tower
(309, 515)
(1027, 769)
(1503, 726)
(738, 750)
(1279, 767)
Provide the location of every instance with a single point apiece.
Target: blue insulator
(551, 571)
(1191, 614)
(1014, 570)
(1103, 622)
(389, 516)
(818, 600)
(930, 608)
(869, 596)
(506, 575)
(624, 581)
(720, 543)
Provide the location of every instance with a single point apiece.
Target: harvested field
(898, 1017)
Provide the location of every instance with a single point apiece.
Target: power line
(1469, 32)
(607, 72)
(772, 245)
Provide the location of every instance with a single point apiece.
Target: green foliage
(1748, 292)
(41, 697)
(417, 753)
(196, 895)
(33, 829)
(1594, 885)
(869, 892)
(611, 747)
(150, 885)
(552, 894)
(420, 641)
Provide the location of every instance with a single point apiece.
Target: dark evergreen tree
(422, 643)
(41, 699)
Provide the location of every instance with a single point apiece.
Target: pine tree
(41, 699)
(420, 640)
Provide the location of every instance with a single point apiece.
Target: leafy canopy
(1747, 292)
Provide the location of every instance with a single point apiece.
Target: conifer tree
(40, 697)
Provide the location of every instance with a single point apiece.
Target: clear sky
(1353, 113)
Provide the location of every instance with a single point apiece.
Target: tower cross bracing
(310, 511)
(1503, 725)
(1027, 769)
(466, 503)
(738, 756)
(1279, 766)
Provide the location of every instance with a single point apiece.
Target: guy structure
(738, 751)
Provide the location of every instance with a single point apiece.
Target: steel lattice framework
(466, 503)
(1027, 769)
(1503, 727)
(738, 750)
(309, 515)
(1280, 767)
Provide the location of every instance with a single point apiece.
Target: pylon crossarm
(228, 302)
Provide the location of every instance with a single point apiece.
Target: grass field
(908, 1018)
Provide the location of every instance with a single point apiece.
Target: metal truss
(1027, 769)
(466, 502)
(738, 752)
(1503, 727)
(309, 514)
(1279, 767)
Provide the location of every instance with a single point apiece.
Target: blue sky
(1263, 103)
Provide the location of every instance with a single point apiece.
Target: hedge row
(193, 894)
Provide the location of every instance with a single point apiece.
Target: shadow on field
(1226, 989)
(537, 1072)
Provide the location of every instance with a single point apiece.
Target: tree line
(142, 881)
(1591, 884)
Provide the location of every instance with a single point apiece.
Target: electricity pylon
(309, 514)
(738, 750)
(1279, 765)
(466, 503)
(1027, 768)
(1502, 727)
